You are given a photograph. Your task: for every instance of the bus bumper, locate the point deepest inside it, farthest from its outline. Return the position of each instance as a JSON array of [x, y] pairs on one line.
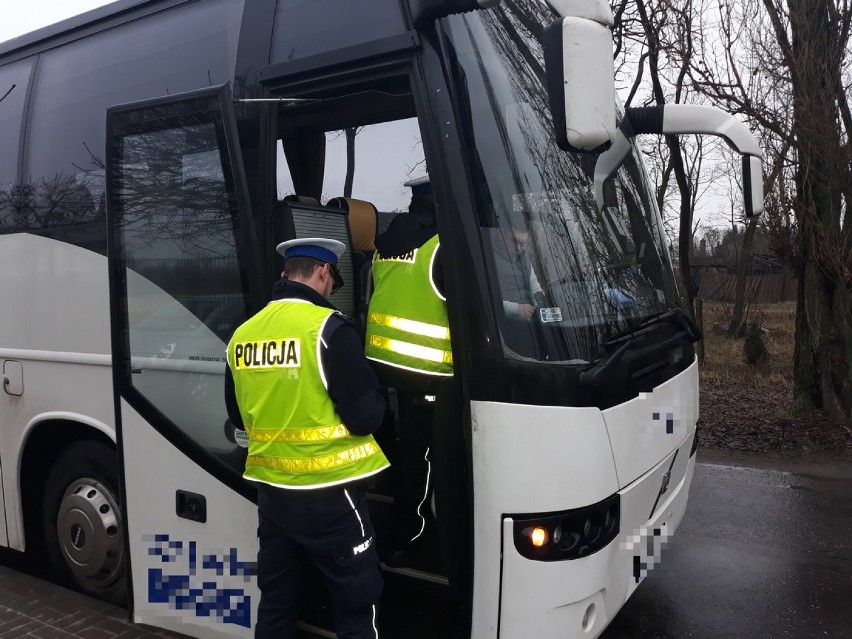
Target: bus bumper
[[579, 598]]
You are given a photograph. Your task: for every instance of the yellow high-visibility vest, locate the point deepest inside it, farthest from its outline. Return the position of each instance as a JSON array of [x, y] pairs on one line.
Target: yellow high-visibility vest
[[407, 323], [296, 439]]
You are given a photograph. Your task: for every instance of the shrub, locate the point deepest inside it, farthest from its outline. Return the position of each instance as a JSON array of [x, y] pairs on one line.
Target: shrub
[[754, 347]]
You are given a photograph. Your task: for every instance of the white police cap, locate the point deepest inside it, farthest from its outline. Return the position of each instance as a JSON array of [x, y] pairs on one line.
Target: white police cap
[[420, 186], [319, 248]]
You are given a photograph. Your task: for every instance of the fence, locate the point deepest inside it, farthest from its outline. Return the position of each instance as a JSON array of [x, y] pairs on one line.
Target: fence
[[760, 289]]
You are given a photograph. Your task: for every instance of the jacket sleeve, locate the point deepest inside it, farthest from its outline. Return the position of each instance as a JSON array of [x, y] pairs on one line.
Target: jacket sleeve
[[352, 384], [231, 400]]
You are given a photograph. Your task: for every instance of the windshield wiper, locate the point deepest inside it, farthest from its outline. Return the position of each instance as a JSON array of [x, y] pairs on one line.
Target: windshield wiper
[[605, 369], [648, 324]]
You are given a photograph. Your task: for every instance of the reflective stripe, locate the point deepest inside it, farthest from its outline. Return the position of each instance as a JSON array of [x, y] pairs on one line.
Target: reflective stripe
[[357, 514], [410, 326], [425, 496], [314, 464], [411, 350], [298, 434]]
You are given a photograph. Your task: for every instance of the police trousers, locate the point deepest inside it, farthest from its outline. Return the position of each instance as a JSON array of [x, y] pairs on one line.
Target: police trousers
[[411, 508], [333, 527]]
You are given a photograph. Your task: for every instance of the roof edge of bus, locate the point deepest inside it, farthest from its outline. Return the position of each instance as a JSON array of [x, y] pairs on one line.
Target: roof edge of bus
[[79, 22]]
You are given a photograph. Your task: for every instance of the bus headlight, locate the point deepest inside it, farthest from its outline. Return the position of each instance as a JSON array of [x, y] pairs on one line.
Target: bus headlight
[[539, 536], [570, 534]]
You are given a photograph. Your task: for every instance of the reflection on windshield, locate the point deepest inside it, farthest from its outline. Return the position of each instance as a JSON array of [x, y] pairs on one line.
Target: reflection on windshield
[[566, 272]]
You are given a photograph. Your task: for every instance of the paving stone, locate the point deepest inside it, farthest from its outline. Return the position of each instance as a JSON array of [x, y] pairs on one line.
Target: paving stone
[[48, 632], [31, 608]]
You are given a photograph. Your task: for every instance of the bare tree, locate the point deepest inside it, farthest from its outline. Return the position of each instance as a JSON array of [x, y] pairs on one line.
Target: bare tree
[[784, 64]]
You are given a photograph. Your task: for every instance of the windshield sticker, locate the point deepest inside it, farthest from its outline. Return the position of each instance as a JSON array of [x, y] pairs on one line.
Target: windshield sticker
[[549, 315], [187, 582]]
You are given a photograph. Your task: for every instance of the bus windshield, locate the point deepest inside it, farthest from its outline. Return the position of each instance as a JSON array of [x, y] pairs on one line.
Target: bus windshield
[[567, 269]]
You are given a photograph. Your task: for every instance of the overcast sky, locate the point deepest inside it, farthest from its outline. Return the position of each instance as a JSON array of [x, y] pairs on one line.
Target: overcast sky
[[23, 16]]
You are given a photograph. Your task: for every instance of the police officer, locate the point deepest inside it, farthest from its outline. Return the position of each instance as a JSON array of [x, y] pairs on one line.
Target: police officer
[[299, 385], [409, 339]]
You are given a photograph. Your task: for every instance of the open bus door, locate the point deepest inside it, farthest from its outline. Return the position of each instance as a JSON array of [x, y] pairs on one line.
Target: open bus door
[[182, 277]]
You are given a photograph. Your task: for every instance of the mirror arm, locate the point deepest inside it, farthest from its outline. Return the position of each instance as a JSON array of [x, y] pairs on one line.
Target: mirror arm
[[679, 119]]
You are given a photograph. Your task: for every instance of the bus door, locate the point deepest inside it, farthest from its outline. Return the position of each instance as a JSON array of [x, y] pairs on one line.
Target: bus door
[[182, 250]]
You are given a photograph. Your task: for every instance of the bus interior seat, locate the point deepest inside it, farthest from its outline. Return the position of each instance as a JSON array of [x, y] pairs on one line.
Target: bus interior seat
[[363, 223], [300, 216], [301, 199]]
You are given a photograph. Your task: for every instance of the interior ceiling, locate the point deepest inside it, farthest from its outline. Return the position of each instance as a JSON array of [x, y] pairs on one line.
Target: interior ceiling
[[382, 102]]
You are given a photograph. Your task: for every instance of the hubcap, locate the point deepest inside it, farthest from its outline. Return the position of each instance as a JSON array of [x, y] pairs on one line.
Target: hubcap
[[89, 531]]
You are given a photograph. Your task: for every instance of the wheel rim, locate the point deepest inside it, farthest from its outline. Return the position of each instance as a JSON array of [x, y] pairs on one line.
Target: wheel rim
[[88, 527]]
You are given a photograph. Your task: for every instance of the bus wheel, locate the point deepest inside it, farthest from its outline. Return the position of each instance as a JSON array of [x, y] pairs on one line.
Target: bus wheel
[[83, 522]]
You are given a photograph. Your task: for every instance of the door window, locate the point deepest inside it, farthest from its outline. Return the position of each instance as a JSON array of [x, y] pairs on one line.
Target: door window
[[176, 219]]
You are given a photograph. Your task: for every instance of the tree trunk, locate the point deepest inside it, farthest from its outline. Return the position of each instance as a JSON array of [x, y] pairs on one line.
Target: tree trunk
[[677, 163], [350, 162], [736, 327], [823, 355]]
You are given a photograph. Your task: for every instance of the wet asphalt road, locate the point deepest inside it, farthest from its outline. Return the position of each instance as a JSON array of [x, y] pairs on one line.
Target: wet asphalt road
[[761, 552]]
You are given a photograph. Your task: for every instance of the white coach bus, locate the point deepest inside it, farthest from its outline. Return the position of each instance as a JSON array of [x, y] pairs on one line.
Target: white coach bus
[[152, 154]]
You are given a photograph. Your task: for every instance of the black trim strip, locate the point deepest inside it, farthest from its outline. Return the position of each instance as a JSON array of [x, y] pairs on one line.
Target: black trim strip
[[23, 145], [645, 119], [665, 487], [747, 177], [395, 45]]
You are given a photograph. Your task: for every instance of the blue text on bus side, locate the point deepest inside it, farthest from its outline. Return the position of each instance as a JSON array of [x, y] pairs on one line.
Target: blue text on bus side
[[188, 590]]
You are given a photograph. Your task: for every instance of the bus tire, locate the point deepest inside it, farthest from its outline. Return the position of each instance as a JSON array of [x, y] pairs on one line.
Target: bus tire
[[82, 519]]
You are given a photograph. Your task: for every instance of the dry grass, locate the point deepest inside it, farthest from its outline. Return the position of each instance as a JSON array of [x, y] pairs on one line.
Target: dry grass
[[724, 355], [745, 407]]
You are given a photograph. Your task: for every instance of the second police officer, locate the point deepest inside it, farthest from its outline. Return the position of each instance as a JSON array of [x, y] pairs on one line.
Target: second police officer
[[409, 340]]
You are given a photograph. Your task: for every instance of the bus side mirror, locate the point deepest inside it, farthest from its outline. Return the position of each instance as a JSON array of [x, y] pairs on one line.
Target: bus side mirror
[[581, 75], [425, 12], [752, 185]]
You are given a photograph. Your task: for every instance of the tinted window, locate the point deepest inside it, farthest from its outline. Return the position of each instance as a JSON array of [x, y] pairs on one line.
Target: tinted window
[[168, 53], [14, 79], [305, 28]]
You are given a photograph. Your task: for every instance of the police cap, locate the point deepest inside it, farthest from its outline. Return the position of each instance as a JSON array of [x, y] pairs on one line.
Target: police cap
[[420, 185], [317, 247]]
